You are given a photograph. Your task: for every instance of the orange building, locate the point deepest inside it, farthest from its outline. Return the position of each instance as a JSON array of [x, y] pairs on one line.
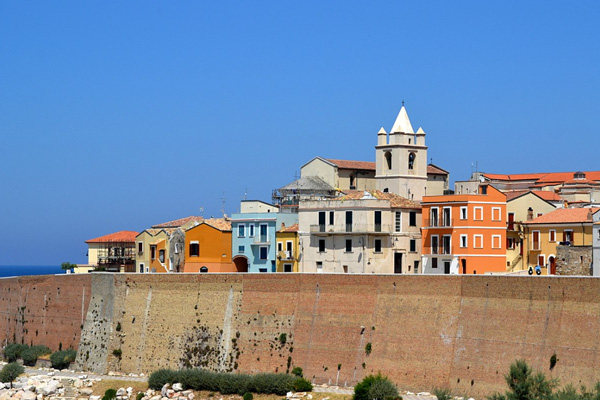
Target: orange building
[[208, 247], [464, 233]]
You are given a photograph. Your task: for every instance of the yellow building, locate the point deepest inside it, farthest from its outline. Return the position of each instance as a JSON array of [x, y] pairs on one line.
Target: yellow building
[[542, 235], [287, 248], [522, 206]]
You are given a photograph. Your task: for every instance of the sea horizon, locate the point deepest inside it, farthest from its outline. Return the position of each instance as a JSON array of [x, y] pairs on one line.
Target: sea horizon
[[7, 271]]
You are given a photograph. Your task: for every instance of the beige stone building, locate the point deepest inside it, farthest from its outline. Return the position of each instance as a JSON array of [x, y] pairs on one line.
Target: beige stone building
[[360, 232], [113, 252], [342, 174]]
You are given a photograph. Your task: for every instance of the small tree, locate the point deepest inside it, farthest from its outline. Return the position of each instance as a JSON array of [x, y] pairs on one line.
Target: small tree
[[524, 384], [67, 265], [10, 372]]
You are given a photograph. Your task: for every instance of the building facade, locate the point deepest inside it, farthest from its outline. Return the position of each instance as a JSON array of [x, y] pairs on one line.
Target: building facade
[[208, 247], [114, 252], [465, 234], [360, 232], [287, 248]]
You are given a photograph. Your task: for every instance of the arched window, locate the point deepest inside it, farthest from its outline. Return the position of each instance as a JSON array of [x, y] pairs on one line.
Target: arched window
[[204, 269], [411, 160], [388, 159]]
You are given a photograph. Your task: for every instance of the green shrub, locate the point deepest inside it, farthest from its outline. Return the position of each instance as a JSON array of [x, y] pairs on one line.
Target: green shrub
[[13, 351], [383, 387], [158, 378], [524, 384], [31, 354], [110, 394], [283, 338], [297, 371], [62, 358], [442, 394], [139, 396], [248, 396], [272, 383], [10, 372], [302, 385], [368, 348], [117, 353]]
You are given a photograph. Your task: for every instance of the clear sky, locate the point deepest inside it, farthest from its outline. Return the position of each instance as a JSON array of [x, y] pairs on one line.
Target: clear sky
[[120, 115]]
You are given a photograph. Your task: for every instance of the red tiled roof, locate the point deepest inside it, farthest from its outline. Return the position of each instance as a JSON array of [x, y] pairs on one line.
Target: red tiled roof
[[221, 224], [514, 194], [178, 222], [291, 228], [433, 169], [347, 164], [515, 177], [544, 178], [121, 237], [565, 216], [548, 195]]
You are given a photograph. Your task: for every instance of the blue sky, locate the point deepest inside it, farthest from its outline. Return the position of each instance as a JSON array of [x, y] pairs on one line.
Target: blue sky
[[120, 115]]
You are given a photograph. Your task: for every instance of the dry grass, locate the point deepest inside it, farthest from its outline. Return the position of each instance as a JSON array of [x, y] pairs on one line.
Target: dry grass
[[100, 387]]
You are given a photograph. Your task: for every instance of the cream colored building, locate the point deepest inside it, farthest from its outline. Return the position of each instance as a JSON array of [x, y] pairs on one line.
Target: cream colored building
[[342, 174], [113, 252], [360, 232], [401, 159]]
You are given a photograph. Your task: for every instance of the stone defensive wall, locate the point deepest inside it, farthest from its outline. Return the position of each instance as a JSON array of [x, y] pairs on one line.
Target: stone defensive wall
[[460, 332]]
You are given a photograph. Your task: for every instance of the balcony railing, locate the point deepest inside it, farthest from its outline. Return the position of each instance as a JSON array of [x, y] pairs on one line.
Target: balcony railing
[[352, 228], [285, 255], [442, 222], [438, 250]]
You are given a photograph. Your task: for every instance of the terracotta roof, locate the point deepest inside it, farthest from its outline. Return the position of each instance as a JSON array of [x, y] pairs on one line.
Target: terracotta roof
[[347, 164], [291, 228], [178, 222], [585, 182], [221, 224], [433, 169], [565, 216], [396, 201], [544, 178], [547, 195], [121, 236]]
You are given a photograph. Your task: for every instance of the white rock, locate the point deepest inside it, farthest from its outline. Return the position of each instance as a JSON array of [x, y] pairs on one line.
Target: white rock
[[178, 387], [289, 394], [121, 392], [129, 391], [28, 396], [423, 394], [40, 397], [309, 396], [470, 398], [156, 397], [170, 393], [49, 388], [51, 373], [86, 392], [95, 397], [191, 396], [82, 376], [163, 391], [17, 385]]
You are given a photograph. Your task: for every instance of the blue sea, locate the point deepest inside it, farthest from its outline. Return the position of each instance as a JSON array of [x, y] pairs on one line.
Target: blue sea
[[20, 270]]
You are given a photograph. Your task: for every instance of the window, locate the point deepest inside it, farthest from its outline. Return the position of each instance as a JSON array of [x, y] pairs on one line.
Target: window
[[161, 255], [321, 221], [464, 243], [433, 216], [141, 268], [176, 248], [287, 267], [411, 160], [345, 268], [152, 252], [262, 270], [263, 252], [388, 159], [568, 236], [348, 245], [289, 245], [535, 240], [511, 221], [496, 241], [434, 262], [478, 241], [446, 244], [478, 214], [510, 243], [194, 249], [140, 247], [204, 269], [496, 214], [241, 230], [279, 246], [434, 244], [412, 218], [541, 260], [264, 233], [321, 245], [413, 246], [377, 245], [552, 235], [241, 249], [377, 221], [463, 213], [446, 217], [348, 221], [319, 266], [398, 227], [331, 220], [251, 230], [416, 267], [539, 214]]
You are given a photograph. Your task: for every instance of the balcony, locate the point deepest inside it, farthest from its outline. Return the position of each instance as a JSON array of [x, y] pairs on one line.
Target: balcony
[[351, 229], [443, 223], [261, 240], [285, 255], [439, 250]]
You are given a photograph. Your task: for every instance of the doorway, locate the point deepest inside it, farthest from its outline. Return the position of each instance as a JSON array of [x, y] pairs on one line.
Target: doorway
[[446, 267], [464, 266], [552, 262], [397, 263]]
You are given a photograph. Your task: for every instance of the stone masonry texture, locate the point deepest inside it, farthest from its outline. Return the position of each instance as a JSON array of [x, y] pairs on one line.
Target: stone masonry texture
[[460, 332]]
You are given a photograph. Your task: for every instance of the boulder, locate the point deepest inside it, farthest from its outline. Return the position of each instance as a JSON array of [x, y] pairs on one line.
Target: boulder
[[191, 396], [164, 389], [121, 392], [28, 396], [78, 383], [86, 392], [95, 397], [156, 397], [178, 387], [49, 388], [170, 393]]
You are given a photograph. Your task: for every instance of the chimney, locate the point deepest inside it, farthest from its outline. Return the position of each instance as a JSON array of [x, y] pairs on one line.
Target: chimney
[[283, 225], [529, 214]]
